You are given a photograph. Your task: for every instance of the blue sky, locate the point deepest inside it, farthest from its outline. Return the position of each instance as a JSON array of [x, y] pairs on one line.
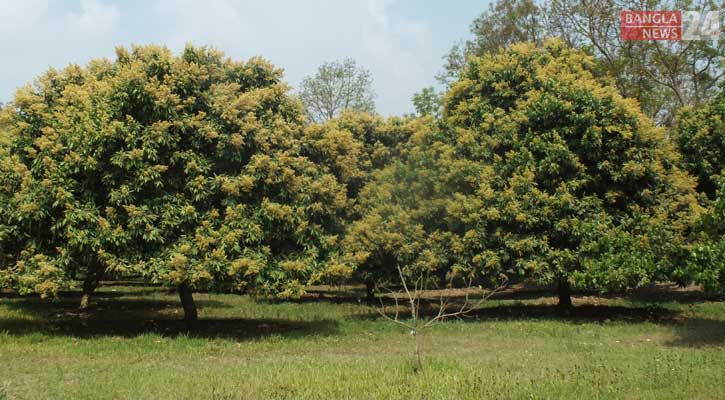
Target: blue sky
[[401, 42]]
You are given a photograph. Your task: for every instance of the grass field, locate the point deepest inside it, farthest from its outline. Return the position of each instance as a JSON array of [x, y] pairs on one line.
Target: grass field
[[131, 345]]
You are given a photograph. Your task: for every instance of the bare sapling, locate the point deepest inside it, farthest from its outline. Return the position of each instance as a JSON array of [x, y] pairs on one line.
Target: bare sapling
[[417, 323]]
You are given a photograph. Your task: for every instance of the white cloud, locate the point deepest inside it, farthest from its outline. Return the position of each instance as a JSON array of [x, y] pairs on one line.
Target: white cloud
[[295, 35], [93, 18], [400, 54], [16, 14]]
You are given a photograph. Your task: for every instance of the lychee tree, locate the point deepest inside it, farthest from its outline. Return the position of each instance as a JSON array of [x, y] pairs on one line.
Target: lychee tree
[[186, 170], [356, 146], [574, 185], [404, 220]]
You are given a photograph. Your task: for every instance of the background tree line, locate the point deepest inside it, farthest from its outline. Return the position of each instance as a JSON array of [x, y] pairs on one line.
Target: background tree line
[[662, 76]]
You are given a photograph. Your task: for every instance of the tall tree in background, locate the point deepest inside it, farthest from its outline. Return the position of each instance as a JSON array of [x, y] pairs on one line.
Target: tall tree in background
[[337, 86], [428, 102], [662, 75], [504, 23]]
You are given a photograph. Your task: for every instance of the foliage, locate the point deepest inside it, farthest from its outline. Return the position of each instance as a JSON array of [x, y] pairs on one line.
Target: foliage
[[571, 180], [355, 144], [184, 169], [700, 137], [503, 24], [337, 86], [706, 264]]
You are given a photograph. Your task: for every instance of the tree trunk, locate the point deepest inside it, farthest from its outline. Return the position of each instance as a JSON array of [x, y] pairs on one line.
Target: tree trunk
[[90, 283], [564, 289], [370, 291], [187, 301]]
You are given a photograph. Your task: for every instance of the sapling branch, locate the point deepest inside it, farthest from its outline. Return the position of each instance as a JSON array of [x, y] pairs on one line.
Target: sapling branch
[[414, 298]]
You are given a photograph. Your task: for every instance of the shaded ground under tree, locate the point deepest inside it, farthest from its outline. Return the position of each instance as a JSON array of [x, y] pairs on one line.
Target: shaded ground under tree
[[132, 310]]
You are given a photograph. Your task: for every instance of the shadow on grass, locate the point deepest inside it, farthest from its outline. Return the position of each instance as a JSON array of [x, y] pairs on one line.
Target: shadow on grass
[[581, 313], [688, 331], [233, 329], [133, 316], [357, 295], [67, 306], [654, 293], [671, 292], [316, 297]]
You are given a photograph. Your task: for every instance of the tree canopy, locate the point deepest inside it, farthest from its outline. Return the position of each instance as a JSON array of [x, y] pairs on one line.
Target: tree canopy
[[186, 170], [356, 145], [428, 102]]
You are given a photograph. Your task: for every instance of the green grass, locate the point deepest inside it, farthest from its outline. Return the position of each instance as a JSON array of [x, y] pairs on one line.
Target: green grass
[[132, 346]]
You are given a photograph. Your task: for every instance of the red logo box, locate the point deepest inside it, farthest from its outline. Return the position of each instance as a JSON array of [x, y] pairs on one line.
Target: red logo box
[[650, 25]]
